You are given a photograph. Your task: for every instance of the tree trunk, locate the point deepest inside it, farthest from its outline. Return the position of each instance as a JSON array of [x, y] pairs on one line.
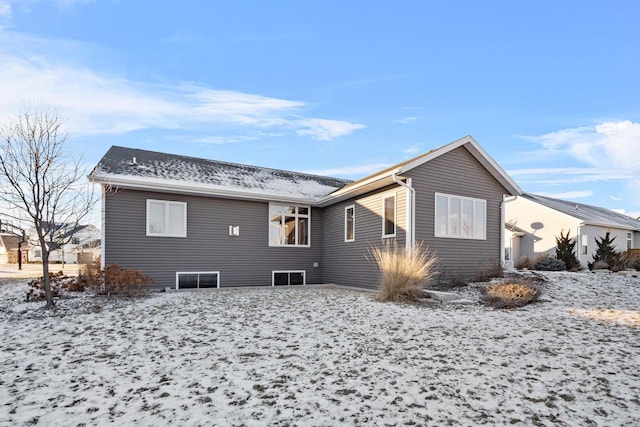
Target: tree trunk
[[45, 276]]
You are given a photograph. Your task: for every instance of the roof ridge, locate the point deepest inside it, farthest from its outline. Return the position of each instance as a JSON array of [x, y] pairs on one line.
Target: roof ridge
[[224, 162]]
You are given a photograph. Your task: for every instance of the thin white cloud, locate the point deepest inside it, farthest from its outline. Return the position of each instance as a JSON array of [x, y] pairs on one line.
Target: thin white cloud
[[610, 149], [359, 170], [632, 214], [612, 144], [97, 103], [5, 9], [412, 150], [405, 120], [555, 176], [325, 130], [577, 194]]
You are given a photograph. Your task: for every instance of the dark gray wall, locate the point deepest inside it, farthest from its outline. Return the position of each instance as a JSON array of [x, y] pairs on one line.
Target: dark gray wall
[[346, 263], [245, 260], [458, 173]]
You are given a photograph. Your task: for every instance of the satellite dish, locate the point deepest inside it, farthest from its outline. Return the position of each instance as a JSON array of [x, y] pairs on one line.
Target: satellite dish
[[537, 225]]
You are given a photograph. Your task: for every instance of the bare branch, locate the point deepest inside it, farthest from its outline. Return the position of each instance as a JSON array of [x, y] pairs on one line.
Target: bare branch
[[38, 178]]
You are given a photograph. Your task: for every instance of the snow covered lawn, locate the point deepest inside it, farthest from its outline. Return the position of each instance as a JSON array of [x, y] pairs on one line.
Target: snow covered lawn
[[324, 357]]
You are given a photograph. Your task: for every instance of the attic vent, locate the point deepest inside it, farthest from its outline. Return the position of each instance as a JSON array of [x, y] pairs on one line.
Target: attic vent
[[133, 162]]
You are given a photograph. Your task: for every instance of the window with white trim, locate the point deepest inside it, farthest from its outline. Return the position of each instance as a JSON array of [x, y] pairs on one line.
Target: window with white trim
[[197, 280], [585, 244], [629, 240], [289, 225], [389, 216], [350, 223], [288, 278], [166, 218], [460, 217]]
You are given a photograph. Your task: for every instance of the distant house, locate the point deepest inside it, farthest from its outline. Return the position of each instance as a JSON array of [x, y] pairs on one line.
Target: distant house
[[9, 249], [73, 244], [533, 222], [191, 222]]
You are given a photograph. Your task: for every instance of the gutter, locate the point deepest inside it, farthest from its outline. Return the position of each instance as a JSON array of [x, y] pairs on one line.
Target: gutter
[[411, 212]]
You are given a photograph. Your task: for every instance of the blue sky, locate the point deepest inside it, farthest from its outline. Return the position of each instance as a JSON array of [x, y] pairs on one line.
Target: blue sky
[[344, 88]]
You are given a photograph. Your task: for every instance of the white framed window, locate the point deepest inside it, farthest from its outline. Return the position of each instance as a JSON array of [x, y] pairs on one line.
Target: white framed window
[[389, 216], [75, 240], [460, 217], [585, 244], [166, 218], [629, 240], [289, 225], [197, 279], [350, 223], [288, 277]]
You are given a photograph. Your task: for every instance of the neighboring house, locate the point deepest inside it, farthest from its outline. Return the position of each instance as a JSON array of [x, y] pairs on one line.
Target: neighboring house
[[9, 249], [73, 244], [191, 222], [12, 242], [533, 222]]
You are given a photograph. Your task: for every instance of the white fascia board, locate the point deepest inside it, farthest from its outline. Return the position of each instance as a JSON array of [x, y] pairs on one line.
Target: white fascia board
[[602, 224], [368, 184], [198, 189], [478, 152]]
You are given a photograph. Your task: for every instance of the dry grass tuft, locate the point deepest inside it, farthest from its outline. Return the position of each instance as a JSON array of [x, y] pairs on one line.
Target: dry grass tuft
[[403, 275], [511, 294]]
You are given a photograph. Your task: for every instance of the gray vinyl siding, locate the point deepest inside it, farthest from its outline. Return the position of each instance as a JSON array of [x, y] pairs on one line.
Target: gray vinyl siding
[[346, 263], [458, 173], [244, 260]]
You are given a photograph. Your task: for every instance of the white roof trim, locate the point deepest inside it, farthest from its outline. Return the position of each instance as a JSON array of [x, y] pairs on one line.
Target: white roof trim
[[478, 152], [370, 183], [175, 186]]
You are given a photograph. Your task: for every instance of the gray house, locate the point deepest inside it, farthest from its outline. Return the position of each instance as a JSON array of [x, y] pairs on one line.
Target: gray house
[[191, 222]]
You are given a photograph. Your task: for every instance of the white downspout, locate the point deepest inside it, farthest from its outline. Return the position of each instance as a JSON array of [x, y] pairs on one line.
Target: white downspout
[[503, 243], [503, 207], [103, 221], [411, 213]]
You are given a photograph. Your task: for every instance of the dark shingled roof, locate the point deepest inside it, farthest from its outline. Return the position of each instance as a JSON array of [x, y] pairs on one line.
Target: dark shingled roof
[[118, 161], [587, 213]]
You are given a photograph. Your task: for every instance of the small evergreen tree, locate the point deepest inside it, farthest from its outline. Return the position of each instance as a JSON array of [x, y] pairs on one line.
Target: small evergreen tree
[[605, 252], [565, 247]]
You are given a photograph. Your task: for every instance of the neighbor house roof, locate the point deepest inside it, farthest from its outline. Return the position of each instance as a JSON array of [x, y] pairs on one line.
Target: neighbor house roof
[[134, 168], [149, 170], [591, 215]]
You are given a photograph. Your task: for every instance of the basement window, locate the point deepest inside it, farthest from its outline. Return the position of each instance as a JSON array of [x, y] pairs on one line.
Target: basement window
[[288, 278], [197, 280]]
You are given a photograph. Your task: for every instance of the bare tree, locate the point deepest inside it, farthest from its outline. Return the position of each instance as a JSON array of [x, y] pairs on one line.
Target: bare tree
[[42, 181]]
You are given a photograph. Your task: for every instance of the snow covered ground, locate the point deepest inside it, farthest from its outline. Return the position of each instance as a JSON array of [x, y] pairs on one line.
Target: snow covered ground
[[303, 356]]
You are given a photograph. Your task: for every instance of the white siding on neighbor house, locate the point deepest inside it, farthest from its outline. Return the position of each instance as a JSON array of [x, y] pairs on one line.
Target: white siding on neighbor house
[[540, 224], [592, 232]]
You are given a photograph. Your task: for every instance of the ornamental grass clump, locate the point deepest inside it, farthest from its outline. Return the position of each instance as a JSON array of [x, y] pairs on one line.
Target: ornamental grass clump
[[402, 274], [511, 294]]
